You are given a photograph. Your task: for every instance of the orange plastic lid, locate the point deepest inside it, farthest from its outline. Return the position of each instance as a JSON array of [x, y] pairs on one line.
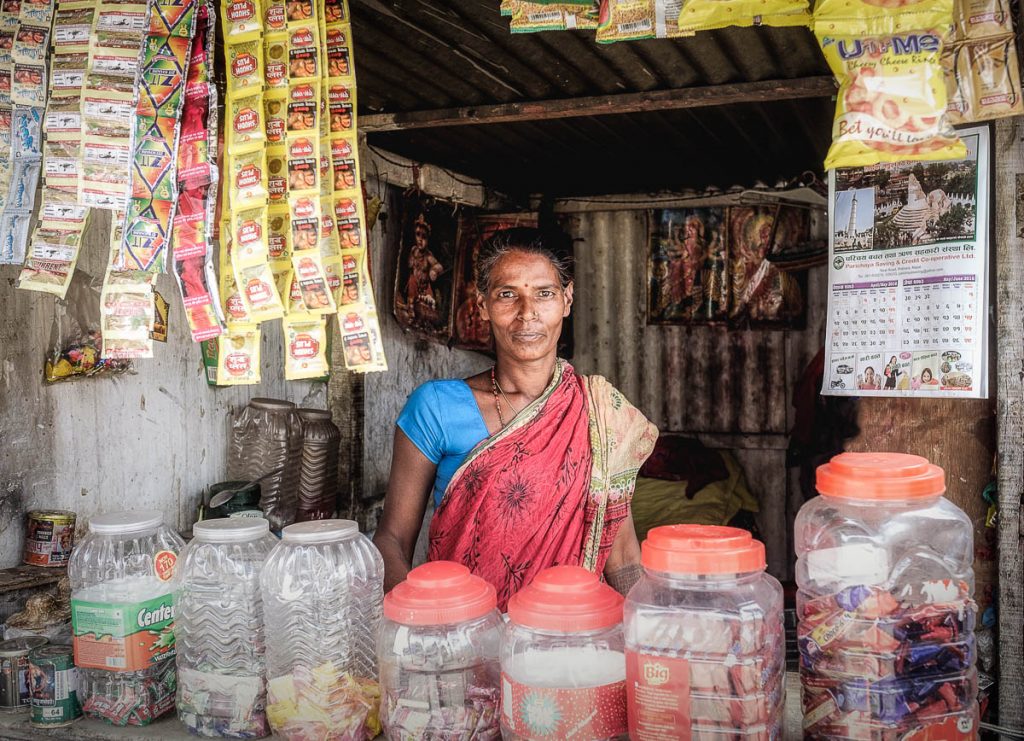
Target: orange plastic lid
[[568, 599], [880, 477], [439, 593], [701, 549]]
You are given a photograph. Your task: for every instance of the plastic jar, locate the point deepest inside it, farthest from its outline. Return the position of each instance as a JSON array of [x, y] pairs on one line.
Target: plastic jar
[[705, 649], [122, 616], [322, 590], [219, 629], [886, 631], [563, 671], [438, 656]]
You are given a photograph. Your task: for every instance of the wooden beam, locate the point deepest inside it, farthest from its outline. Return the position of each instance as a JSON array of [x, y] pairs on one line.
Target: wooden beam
[[1009, 253], [603, 105]]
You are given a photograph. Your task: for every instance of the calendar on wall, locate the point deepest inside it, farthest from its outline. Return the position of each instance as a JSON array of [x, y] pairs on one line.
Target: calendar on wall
[[908, 277]]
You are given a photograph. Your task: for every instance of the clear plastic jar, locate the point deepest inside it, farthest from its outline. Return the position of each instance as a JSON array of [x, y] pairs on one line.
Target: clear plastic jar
[[705, 649], [122, 615], [563, 671], [322, 588], [886, 631], [219, 629], [438, 655]]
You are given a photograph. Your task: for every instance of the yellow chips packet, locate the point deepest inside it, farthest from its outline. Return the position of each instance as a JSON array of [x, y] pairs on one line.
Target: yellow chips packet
[[705, 15]]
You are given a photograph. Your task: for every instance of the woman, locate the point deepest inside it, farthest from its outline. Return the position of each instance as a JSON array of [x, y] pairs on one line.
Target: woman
[[530, 464], [870, 381]]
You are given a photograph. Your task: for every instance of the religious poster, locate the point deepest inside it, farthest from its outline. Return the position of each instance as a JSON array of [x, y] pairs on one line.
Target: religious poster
[[908, 277], [687, 278], [470, 330], [424, 281], [761, 293]]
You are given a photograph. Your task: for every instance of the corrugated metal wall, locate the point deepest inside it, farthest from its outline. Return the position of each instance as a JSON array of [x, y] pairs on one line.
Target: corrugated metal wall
[[731, 388]]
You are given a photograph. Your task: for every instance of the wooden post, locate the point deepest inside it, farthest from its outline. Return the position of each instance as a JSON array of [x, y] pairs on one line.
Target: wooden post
[[1009, 255]]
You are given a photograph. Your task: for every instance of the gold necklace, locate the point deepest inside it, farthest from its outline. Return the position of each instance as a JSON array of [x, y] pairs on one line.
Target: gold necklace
[[497, 404]]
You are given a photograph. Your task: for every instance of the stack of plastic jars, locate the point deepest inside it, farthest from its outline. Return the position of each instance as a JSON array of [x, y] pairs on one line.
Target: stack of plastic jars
[[563, 671], [704, 640], [439, 668], [322, 590], [885, 581], [219, 629], [122, 614]]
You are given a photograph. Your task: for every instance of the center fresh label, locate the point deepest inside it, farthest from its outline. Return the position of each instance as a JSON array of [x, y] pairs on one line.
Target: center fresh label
[[123, 636]]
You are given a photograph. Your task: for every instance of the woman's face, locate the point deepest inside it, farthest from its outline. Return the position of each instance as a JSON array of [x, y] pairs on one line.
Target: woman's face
[[525, 304], [926, 375], [869, 375]]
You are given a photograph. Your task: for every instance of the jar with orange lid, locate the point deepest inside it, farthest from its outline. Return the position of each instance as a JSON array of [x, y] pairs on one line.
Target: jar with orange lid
[[563, 671], [438, 656], [705, 652], [886, 616]]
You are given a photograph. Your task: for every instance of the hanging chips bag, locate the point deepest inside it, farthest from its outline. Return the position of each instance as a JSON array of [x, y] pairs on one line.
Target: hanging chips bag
[[705, 15], [892, 97], [305, 346]]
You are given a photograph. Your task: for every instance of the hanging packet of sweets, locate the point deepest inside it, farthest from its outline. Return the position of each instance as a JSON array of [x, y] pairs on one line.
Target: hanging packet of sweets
[[706, 15], [279, 241], [892, 98], [305, 347], [275, 55], [360, 339], [240, 19], [233, 358], [303, 54], [258, 289], [30, 44], [277, 176], [314, 290]]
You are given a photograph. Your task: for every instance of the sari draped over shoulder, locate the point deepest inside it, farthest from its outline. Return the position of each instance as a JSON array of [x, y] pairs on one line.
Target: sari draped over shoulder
[[552, 488]]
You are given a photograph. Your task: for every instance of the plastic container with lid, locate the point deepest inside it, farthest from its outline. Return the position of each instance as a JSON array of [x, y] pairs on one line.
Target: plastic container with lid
[[563, 671], [219, 629], [438, 656], [705, 649], [886, 631], [322, 588], [122, 616]]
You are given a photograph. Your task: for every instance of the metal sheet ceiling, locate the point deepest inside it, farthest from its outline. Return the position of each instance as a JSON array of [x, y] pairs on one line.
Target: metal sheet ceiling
[[427, 54]]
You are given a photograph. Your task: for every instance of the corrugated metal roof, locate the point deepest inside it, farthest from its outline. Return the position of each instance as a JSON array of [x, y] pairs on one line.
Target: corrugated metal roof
[[415, 55]]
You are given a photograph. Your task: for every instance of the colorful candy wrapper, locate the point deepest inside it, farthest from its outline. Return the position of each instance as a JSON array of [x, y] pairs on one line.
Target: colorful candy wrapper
[[29, 85], [172, 19], [303, 108], [305, 345], [10, 14], [153, 161], [162, 82], [360, 338], [279, 236], [277, 175], [121, 17], [7, 47], [335, 11], [6, 84], [303, 165], [306, 220], [249, 235], [341, 108], [14, 228], [52, 257], [71, 30], [299, 11]]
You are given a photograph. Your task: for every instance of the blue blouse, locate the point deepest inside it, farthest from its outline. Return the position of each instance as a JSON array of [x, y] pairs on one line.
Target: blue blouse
[[443, 420]]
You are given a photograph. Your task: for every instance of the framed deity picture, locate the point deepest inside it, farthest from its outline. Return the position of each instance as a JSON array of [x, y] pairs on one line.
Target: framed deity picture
[[425, 273]]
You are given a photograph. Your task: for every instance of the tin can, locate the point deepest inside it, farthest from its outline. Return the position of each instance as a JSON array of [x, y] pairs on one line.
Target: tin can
[[50, 537], [14, 694], [53, 686]]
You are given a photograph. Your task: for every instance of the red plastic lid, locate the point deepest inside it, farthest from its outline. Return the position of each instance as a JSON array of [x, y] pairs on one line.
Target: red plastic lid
[[568, 599], [880, 477], [701, 549], [439, 593]]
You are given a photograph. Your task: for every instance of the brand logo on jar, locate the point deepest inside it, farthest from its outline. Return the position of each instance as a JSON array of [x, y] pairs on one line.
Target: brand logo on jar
[[304, 346], [303, 92], [249, 232], [241, 11], [247, 120], [655, 674], [341, 149], [339, 94], [237, 363], [302, 148], [248, 176], [352, 322], [275, 73], [148, 618], [275, 16], [302, 37], [275, 129], [244, 64], [163, 565], [344, 208]]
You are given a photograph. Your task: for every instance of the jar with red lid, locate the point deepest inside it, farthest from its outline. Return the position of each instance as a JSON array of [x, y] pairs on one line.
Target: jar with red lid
[[563, 670], [885, 608], [438, 656], [705, 651]]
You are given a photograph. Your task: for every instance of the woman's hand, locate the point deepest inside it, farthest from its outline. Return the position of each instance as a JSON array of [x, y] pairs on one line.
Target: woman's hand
[[622, 570], [410, 485]]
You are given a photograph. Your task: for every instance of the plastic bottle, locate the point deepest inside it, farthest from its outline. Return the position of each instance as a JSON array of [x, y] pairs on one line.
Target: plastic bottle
[[439, 667], [322, 587], [219, 629], [705, 650], [122, 614], [318, 476], [563, 671], [886, 631]]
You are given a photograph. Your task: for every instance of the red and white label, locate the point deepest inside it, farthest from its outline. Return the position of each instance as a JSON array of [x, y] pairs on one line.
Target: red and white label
[[249, 232], [258, 292], [275, 17], [304, 346], [275, 73], [658, 697], [276, 186], [248, 177], [247, 120], [302, 37], [335, 36], [307, 270], [275, 129], [163, 565], [341, 149], [339, 94], [244, 64], [348, 264], [549, 714], [237, 363], [304, 208], [275, 245], [301, 148], [235, 306], [344, 208], [241, 10], [352, 322], [302, 93]]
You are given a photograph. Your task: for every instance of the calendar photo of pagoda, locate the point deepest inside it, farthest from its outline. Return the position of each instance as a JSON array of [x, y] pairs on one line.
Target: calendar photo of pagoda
[[912, 203]]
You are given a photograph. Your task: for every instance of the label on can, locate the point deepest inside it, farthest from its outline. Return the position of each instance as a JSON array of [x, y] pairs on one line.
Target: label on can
[[50, 537], [550, 713], [13, 682], [658, 693], [53, 686], [123, 636]]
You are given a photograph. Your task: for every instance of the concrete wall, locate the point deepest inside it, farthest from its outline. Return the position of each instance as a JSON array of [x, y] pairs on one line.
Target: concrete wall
[[152, 439]]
